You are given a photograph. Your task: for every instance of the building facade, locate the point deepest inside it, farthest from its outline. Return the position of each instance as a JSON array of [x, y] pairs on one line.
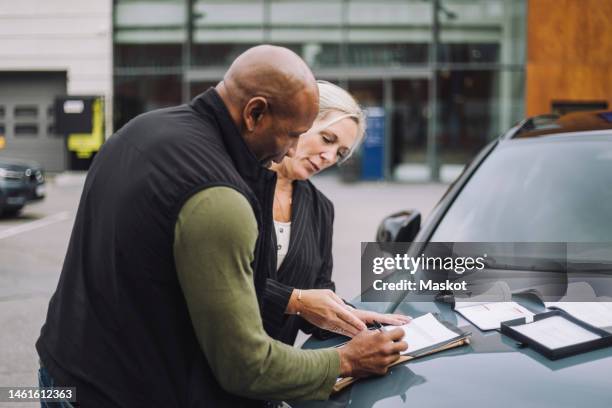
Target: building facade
[[49, 49], [443, 76], [391, 54]]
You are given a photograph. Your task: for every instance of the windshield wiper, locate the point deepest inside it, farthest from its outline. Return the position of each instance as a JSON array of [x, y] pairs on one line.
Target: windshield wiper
[[590, 267]]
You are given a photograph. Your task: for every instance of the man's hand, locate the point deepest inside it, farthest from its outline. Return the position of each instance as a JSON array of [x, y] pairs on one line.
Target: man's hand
[[326, 310], [369, 317], [371, 352]]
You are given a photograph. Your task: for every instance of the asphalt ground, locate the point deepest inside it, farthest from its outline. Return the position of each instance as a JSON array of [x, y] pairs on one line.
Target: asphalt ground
[[33, 246]]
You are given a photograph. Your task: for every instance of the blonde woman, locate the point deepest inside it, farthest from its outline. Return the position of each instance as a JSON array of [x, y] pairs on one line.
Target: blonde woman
[[302, 286]]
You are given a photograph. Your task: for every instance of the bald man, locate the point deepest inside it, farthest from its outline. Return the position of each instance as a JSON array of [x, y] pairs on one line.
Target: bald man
[[274, 85], [156, 303]]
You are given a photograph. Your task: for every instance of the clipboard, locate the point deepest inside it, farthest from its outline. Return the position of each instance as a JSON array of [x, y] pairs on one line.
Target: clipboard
[[603, 338], [462, 339]]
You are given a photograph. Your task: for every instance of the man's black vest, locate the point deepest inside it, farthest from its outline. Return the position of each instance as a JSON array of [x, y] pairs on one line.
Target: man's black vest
[[118, 327]]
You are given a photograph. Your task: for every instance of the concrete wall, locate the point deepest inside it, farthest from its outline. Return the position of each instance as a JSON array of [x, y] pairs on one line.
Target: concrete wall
[[61, 35]]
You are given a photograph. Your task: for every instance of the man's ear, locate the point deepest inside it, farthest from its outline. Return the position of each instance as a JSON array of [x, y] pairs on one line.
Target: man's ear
[[291, 151], [254, 111]]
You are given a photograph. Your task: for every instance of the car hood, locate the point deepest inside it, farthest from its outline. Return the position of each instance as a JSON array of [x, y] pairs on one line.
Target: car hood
[[492, 367]]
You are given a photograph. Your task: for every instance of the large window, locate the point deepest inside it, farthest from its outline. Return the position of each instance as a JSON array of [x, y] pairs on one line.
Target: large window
[[136, 94], [449, 74]]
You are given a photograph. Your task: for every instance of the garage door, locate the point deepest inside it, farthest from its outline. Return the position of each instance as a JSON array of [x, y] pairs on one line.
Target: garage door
[[26, 117]]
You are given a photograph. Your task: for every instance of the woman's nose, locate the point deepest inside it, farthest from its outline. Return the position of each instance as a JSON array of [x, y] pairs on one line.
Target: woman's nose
[[328, 156]]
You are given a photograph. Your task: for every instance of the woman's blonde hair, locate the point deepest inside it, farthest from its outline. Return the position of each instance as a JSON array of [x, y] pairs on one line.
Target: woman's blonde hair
[[332, 98]]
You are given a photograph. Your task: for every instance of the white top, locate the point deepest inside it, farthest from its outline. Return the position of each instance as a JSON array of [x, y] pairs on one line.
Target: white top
[[283, 233]]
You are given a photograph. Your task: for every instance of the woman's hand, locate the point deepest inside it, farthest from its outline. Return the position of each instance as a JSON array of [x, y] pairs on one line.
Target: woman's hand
[[326, 310], [369, 317]]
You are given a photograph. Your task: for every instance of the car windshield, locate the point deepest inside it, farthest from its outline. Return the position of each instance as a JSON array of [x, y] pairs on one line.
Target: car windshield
[[555, 189]]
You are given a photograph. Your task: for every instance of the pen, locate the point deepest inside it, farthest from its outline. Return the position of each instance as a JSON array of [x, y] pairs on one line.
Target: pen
[[378, 326]]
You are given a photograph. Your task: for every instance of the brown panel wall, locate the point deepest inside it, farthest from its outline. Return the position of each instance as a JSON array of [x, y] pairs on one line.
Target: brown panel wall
[[569, 52]]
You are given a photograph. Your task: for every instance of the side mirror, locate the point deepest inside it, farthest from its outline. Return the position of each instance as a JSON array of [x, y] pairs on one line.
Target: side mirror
[[399, 227]]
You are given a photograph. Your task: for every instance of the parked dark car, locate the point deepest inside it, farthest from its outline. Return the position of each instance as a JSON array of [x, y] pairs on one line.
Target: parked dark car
[[548, 179], [20, 182]]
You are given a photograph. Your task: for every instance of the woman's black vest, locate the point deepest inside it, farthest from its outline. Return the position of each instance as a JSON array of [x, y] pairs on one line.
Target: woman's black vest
[[118, 327]]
